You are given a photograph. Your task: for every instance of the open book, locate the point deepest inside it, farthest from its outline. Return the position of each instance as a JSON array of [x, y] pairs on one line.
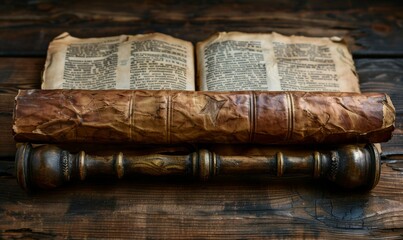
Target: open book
[[234, 72], [225, 62]]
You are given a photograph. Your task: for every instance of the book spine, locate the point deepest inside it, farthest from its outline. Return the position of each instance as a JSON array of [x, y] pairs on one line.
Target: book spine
[[164, 117]]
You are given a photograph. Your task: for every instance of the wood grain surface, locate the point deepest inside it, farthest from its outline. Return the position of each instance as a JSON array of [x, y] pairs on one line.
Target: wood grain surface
[[248, 207]]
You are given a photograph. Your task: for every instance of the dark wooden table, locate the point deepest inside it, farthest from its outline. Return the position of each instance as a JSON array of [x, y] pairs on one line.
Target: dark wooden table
[[231, 208]]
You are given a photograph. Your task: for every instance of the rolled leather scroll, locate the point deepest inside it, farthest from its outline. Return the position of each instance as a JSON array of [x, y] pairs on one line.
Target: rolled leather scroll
[[161, 117]]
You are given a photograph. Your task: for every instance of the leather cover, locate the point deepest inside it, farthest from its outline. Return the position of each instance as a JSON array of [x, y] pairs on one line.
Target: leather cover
[[161, 117]]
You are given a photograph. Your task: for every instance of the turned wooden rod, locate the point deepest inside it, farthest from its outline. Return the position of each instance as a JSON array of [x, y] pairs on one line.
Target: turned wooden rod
[[48, 166]]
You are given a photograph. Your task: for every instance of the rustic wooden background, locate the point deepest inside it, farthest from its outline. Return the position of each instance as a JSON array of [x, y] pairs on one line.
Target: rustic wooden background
[[229, 208]]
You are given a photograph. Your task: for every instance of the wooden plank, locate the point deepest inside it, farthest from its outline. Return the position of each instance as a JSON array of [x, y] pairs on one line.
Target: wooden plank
[[20, 73], [380, 74], [369, 29], [7, 144], [226, 208]]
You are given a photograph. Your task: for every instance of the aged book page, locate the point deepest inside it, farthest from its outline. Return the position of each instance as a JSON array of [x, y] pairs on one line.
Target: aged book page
[[149, 61], [242, 61]]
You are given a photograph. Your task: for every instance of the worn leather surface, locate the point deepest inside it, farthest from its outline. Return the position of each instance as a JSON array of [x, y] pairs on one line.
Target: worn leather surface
[[159, 117]]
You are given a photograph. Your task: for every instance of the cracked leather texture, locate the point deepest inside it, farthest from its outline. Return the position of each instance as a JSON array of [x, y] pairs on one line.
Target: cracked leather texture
[[161, 117]]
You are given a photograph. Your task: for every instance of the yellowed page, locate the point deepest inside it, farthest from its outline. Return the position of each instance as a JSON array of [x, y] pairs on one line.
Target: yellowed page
[[149, 61], [243, 61]]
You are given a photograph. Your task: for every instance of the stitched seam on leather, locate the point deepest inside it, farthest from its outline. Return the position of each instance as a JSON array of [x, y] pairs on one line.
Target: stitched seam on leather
[[252, 117], [169, 119], [131, 118], [290, 116]]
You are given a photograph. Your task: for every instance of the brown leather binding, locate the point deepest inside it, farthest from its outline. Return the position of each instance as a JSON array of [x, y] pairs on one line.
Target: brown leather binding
[[145, 116]]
